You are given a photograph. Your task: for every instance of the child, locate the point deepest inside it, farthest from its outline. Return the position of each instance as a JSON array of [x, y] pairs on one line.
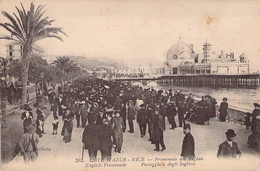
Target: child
[[247, 122], [55, 124]]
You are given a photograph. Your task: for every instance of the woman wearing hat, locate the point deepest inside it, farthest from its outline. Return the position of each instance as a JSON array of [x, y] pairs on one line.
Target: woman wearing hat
[[223, 110], [118, 126], [27, 118], [255, 114], [229, 149], [67, 126]]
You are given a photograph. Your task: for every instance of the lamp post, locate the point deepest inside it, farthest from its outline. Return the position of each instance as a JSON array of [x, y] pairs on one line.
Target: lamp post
[[42, 76]]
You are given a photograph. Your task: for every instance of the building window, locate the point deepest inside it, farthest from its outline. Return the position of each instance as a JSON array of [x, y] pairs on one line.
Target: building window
[[174, 70], [163, 70], [10, 54], [208, 71], [197, 71], [174, 57], [10, 47]]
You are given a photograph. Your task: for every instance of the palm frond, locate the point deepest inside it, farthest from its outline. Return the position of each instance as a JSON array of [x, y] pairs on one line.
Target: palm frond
[[15, 25], [10, 38], [29, 27]]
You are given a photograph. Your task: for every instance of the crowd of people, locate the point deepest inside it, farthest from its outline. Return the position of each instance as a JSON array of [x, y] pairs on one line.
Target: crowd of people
[[104, 109]]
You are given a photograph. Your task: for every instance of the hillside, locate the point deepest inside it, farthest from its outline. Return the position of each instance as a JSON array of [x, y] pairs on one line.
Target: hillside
[[97, 63]]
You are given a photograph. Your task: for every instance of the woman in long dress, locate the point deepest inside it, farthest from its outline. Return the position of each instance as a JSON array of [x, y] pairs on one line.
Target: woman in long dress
[[67, 126], [118, 126], [223, 110], [27, 118]]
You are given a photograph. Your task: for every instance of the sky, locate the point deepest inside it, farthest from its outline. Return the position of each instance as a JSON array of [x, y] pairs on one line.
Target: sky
[[144, 30]]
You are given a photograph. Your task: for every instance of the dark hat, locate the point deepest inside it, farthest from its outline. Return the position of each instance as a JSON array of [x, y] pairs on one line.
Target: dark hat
[[142, 105], [248, 114], [92, 118], [256, 105], [187, 126], [231, 132], [27, 107], [224, 99]]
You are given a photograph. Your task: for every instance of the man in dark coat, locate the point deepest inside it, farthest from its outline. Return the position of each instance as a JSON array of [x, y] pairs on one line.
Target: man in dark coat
[[189, 102], [150, 120], [158, 131], [76, 108], [163, 113], [171, 113], [181, 112], [123, 114], [105, 135], [91, 139], [254, 140], [142, 119], [255, 114], [203, 114], [188, 146], [130, 110], [229, 149]]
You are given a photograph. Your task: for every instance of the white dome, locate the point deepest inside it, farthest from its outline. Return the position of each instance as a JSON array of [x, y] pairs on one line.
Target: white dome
[[180, 53]]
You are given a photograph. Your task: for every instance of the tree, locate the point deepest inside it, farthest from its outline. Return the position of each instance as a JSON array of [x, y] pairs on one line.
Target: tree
[[37, 66], [4, 65], [27, 28], [65, 66], [16, 68]]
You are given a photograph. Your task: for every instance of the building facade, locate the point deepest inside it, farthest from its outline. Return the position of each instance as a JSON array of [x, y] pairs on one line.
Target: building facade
[[14, 50], [182, 60]]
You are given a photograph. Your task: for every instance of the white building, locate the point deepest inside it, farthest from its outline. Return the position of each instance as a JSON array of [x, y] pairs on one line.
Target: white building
[[14, 50], [181, 59]]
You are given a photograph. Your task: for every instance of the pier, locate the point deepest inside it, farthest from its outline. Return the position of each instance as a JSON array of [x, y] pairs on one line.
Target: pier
[[207, 80]]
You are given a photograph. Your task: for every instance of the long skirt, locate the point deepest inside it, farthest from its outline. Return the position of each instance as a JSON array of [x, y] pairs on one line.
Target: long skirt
[[67, 131], [67, 135]]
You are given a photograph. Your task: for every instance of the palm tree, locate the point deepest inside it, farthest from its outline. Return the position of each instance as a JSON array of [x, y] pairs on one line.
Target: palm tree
[[65, 65], [4, 65], [4, 68], [27, 28]]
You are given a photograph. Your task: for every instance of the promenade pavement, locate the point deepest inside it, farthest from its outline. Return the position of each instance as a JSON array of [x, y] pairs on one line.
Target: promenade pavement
[[54, 154]]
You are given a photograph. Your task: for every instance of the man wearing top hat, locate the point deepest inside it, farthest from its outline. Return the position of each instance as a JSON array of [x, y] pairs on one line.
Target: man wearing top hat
[[229, 149]]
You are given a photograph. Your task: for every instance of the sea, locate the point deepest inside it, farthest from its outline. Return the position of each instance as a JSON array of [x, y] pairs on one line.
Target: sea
[[238, 98]]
